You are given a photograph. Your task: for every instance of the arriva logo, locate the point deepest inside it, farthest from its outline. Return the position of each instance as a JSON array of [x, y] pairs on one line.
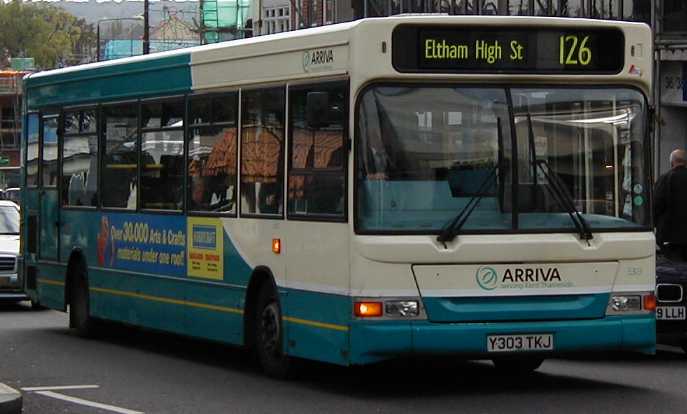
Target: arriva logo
[[306, 61], [318, 59], [487, 278]]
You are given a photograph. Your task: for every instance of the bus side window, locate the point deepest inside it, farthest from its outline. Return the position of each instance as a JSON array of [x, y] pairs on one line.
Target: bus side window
[[262, 151], [213, 150], [120, 163], [162, 155], [317, 150], [80, 159], [49, 151], [32, 150]]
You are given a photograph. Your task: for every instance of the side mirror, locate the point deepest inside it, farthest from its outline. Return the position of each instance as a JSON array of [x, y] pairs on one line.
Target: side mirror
[[317, 109]]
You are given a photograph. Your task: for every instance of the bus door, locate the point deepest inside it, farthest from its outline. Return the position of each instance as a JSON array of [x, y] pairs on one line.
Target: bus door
[[48, 197]]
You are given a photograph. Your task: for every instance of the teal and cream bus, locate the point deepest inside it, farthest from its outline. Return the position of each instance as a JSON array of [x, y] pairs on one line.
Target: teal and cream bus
[[464, 186]]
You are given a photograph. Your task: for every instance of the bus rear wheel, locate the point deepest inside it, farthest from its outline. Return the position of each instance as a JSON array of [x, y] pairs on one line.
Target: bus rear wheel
[[518, 366], [36, 305], [79, 307], [269, 335]]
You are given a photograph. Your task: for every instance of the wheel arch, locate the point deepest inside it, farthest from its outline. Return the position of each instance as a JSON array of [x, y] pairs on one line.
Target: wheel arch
[[261, 275]]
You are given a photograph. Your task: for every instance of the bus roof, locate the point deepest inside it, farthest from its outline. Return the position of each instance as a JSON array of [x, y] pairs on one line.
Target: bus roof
[[127, 78]]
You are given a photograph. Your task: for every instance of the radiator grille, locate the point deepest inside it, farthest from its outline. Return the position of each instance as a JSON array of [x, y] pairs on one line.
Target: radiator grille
[[7, 263]]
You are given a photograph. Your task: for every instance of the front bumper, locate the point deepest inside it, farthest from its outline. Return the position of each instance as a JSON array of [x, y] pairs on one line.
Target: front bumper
[[669, 329], [11, 288], [375, 341], [9, 296]]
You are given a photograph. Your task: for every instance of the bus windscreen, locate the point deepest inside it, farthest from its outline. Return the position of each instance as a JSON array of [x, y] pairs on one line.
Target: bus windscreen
[[450, 49]]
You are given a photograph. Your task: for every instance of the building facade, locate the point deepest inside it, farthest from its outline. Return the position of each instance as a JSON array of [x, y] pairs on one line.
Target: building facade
[[670, 28], [10, 127]]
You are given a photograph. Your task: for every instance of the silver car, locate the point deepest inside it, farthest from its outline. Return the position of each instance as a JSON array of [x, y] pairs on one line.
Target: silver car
[[10, 283]]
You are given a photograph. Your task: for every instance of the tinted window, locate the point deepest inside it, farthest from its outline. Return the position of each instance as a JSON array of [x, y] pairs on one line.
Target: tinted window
[[88, 121], [587, 145], [9, 220], [262, 149], [120, 163], [162, 156], [212, 156], [200, 110], [317, 153], [425, 154], [163, 114], [49, 151], [71, 122], [431, 156], [32, 150], [80, 160], [162, 170]]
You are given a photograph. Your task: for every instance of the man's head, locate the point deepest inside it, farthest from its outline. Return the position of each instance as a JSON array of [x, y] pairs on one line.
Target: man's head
[[678, 158]]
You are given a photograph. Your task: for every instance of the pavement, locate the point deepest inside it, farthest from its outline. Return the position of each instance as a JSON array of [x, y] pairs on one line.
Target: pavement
[[10, 400]]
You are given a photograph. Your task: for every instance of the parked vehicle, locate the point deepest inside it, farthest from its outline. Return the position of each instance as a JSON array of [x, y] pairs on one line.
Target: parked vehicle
[[12, 194], [671, 318], [11, 288]]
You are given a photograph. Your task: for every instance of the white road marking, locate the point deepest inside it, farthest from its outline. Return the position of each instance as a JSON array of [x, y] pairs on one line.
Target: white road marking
[[669, 348], [5, 389], [60, 387], [87, 403]]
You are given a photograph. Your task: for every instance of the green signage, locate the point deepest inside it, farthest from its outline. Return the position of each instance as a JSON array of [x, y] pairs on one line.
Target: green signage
[[22, 64]]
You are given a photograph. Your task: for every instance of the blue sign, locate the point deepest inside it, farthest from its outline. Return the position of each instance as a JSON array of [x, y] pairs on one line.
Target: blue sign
[[143, 243], [204, 237]]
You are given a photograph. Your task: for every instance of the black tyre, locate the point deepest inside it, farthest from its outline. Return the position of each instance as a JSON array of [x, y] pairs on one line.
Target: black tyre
[[79, 306], [36, 305], [269, 335], [518, 366]]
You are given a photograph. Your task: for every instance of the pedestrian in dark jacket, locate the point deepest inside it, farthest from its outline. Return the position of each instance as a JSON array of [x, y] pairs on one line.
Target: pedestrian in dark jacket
[[670, 208]]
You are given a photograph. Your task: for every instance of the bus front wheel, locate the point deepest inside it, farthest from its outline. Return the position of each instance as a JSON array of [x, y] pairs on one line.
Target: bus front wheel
[[269, 335], [518, 366], [79, 307]]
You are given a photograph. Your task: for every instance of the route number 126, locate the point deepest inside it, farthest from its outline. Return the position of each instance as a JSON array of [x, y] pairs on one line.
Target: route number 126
[[574, 51]]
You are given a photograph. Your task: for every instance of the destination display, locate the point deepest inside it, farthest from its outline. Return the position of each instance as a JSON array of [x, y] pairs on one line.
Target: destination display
[[507, 50]]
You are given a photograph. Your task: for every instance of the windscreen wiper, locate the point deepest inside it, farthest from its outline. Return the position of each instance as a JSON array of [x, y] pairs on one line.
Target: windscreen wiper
[[452, 228], [558, 190], [557, 187]]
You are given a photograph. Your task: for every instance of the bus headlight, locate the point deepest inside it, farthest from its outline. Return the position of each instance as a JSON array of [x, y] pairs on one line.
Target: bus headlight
[[391, 308], [402, 308], [636, 302], [626, 303]]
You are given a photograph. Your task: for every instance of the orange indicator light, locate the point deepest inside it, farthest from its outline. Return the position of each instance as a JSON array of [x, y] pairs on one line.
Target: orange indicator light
[[368, 309], [650, 302], [276, 246]]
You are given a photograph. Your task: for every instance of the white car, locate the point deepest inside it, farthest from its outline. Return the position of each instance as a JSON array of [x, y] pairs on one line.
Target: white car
[[11, 289], [12, 194]]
